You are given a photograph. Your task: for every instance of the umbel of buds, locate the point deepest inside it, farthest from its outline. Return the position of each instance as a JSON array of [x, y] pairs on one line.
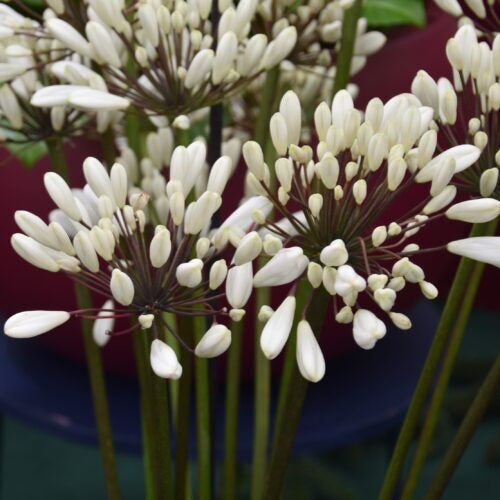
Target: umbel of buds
[[340, 220], [181, 64], [468, 109], [105, 238]]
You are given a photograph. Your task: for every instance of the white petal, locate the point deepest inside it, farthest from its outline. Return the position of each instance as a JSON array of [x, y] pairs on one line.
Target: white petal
[[29, 324], [482, 248], [309, 356]]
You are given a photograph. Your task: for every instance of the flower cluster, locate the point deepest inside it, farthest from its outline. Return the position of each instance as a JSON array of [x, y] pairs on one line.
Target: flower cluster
[[23, 59], [483, 14], [144, 259], [333, 216], [170, 58], [469, 109]]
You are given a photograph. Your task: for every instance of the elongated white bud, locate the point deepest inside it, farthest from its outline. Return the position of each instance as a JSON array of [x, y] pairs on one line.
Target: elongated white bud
[[34, 227], [475, 211], [367, 328], [33, 252], [103, 324], [277, 329], [402, 321], [249, 248], [149, 22], [160, 247], [488, 181], [315, 274], [291, 111], [225, 55], [122, 287], [328, 170], [428, 290], [119, 184], [164, 361], [254, 158], [322, 120], [279, 48], [359, 191], [279, 133], [219, 175], [85, 251], [200, 67], [189, 273], [482, 248], [214, 342], [218, 273], [239, 285], [103, 242], [29, 324], [61, 195], [379, 235], [443, 199], [310, 359], [68, 36], [97, 100], [286, 266], [102, 43]]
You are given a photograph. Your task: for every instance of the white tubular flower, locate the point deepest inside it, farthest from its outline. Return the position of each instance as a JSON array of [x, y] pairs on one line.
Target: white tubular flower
[[475, 211], [104, 324], [286, 266], [367, 329], [29, 324], [310, 359], [277, 329], [164, 361], [482, 248], [214, 342], [239, 285]]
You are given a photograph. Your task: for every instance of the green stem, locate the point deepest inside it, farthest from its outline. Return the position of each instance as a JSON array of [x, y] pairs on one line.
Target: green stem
[[141, 350], [232, 405], [349, 27], [99, 399], [266, 109], [183, 411], [446, 322], [203, 419], [58, 163], [133, 128], [469, 424], [108, 147], [441, 385], [93, 357], [293, 402]]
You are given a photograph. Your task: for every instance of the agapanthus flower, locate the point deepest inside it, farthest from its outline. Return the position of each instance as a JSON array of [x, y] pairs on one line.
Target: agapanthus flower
[[164, 58], [143, 258], [467, 110], [335, 218], [483, 14], [25, 57]]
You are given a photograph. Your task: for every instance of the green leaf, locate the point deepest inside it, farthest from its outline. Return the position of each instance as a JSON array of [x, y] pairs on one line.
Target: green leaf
[[389, 13], [28, 154]]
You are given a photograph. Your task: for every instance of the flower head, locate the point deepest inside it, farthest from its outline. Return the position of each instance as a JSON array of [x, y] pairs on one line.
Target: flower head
[[143, 258]]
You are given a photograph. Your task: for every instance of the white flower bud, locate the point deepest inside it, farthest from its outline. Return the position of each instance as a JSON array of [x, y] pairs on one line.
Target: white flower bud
[[482, 248], [225, 54], [376, 281], [218, 273], [379, 235], [279, 133], [34, 227], [286, 266], [315, 203], [279, 48], [385, 298], [85, 251], [322, 120], [272, 245], [214, 342], [102, 43], [475, 211], [348, 281], [61, 195], [219, 175], [443, 199], [443, 176], [146, 321], [402, 321], [164, 361], [277, 329], [103, 242], [367, 329], [328, 170], [97, 100], [310, 359], [291, 111], [160, 248], [29, 324], [315, 274], [248, 249], [335, 254], [239, 285], [103, 325], [122, 287], [359, 191], [396, 172], [488, 181], [33, 252], [119, 184], [189, 273], [328, 278], [345, 315], [284, 172], [177, 207], [254, 158], [265, 312], [68, 36], [378, 149]]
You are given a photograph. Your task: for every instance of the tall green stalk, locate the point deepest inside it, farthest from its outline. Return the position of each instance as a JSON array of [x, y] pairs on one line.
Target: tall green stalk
[[233, 376], [262, 371], [203, 417], [93, 358], [487, 391], [183, 411], [349, 26], [447, 321], [294, 393], [443, 379]]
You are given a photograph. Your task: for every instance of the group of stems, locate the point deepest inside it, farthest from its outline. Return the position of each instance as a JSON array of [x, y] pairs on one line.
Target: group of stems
[[437, 368]]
